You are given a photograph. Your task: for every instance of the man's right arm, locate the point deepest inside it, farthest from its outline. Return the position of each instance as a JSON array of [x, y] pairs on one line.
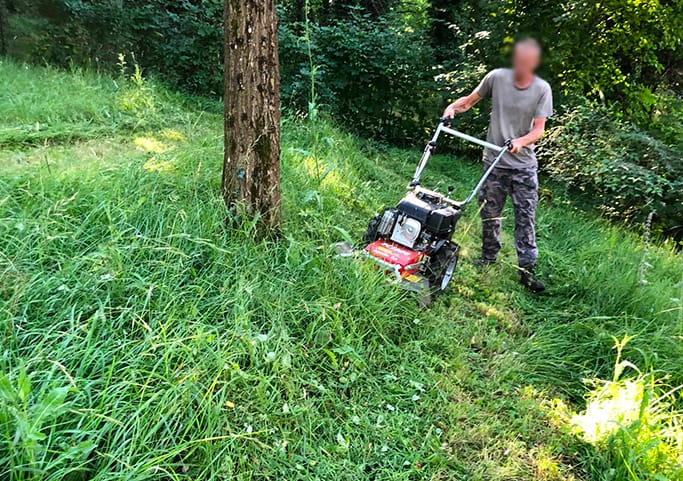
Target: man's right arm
[[462, 105], [484, 89]]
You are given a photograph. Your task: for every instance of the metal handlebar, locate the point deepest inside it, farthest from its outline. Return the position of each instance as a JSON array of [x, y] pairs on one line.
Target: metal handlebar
[[431, 146], [444, 126]]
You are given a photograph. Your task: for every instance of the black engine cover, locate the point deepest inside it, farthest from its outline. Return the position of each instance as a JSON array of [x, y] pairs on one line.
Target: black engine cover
[[416, 208], [435, 218], [442, 221]]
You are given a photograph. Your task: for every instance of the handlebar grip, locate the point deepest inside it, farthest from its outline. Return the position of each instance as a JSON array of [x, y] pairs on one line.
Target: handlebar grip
[[508, 143], [446, 121]]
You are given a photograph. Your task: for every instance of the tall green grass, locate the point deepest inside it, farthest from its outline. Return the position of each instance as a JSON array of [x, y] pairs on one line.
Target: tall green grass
[[144, 341], [45, 105]]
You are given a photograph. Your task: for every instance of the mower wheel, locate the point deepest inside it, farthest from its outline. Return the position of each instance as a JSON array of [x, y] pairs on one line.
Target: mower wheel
[[371, 234], [442, 267]]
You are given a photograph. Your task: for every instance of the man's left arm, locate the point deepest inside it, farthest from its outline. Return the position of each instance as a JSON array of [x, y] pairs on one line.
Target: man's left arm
[[530, 138]]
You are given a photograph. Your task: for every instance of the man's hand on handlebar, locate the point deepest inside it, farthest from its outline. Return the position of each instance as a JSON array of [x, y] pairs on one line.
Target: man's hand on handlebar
[[462, 105], [516, 145]]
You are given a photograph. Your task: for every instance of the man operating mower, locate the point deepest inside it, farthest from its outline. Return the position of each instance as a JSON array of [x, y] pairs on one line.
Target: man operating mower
[[521, 103]]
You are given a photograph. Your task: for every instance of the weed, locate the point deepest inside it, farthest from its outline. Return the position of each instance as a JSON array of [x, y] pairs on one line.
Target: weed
[[633, 419]]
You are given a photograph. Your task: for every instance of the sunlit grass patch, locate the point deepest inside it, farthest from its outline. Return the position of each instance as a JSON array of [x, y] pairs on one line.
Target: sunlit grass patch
[[149, 144], [83, 156], [45, 105], [155, 164], [173, 135], [612, 406], [636, 420]]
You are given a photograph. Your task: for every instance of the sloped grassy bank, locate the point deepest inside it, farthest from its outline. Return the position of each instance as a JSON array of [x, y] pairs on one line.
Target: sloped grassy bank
[[144, 341]]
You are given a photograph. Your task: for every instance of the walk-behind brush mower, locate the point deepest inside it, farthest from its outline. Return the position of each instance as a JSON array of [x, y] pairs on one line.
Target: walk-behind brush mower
[[413, 241]]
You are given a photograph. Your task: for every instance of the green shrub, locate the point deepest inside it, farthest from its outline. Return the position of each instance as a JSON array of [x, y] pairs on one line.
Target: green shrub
[[373, 77], [626, 171], [372, 73], [180, 42]]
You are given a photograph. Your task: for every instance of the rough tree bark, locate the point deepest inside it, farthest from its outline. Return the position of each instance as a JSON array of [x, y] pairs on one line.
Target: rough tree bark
[[251, 167]]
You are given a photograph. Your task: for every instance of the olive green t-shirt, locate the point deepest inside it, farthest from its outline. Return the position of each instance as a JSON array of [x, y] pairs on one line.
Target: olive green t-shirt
[[512, 114]]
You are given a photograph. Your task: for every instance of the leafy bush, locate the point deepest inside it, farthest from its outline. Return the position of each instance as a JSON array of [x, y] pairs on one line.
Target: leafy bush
[[186, 47], [627, 172], [376, 79], [179, 41], [623, 52], [370, 72]]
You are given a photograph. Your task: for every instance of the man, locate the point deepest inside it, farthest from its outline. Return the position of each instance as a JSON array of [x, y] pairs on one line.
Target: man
[[521, 103]]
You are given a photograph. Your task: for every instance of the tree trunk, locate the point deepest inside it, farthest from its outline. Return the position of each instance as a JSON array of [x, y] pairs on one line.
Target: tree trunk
[[251, 167]]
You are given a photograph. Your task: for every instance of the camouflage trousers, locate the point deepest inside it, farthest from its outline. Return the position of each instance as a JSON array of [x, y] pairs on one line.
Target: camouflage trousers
[[522, 187]]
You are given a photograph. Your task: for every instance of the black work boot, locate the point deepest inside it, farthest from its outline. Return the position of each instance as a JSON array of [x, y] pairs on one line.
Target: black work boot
[[528, 279], [483, 263]]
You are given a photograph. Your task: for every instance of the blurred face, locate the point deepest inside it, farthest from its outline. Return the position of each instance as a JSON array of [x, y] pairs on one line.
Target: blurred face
[[526, 59]]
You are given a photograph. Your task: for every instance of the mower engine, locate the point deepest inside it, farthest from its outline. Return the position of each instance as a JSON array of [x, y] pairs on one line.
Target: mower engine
[[413, 240]]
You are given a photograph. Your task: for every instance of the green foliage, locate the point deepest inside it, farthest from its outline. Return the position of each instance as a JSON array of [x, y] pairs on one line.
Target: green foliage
[[179, 41], [621, 52], [625, 171], [375, 78], [634, 420], [630, 47], [327, 11], [383, 67], [34, 444], [174, 349]]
